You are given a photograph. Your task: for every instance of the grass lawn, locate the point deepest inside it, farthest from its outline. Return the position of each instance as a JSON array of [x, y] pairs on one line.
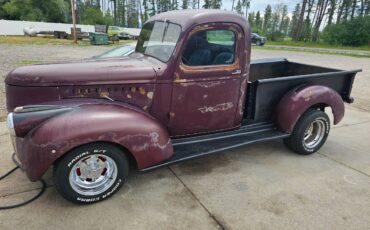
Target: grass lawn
[[315, 45], [336, 52], [48, 40]]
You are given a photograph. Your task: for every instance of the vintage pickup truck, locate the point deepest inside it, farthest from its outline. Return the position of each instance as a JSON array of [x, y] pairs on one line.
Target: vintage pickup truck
[[188, 90]]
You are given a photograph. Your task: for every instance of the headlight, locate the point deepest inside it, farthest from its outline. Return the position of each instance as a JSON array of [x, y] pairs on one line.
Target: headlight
[[10, 123]]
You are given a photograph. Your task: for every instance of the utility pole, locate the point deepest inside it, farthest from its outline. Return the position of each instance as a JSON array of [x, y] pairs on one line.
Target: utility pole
[[74, 21]]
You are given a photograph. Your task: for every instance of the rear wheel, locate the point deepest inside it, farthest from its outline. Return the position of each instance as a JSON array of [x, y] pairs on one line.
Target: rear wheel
[[310, 132], [91, 173]]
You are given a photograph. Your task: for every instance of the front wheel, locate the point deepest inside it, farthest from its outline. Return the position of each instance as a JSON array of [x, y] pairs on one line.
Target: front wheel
[[91, 173], [310, 132]]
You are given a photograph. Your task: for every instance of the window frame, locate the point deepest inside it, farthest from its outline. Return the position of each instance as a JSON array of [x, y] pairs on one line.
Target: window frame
[[211, 65], [174, 49]]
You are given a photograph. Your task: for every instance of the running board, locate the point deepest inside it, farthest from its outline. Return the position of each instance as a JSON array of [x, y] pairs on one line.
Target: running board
[[192, 147]]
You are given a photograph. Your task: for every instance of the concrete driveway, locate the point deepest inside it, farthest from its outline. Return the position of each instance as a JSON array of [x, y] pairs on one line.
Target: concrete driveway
[[262, 186]]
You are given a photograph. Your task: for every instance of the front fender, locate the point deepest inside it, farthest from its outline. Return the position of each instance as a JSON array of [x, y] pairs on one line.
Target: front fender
[[142, 135], [298, 100]]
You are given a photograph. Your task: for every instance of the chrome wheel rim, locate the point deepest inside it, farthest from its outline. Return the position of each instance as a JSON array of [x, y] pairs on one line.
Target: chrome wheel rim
[[314, 133], [93, 174]]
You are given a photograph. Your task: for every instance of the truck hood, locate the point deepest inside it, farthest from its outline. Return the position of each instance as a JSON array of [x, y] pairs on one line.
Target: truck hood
[[85, 72]]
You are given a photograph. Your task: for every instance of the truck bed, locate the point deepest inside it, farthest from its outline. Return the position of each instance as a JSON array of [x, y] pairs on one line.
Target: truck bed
[[271, 79]]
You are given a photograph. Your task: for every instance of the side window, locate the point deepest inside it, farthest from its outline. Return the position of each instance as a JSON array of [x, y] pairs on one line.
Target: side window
[[210, 47]]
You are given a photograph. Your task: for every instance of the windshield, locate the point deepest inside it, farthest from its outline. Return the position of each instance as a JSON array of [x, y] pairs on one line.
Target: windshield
[[158, 39]]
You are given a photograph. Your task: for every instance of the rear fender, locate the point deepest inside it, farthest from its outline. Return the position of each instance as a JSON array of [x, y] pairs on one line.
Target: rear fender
[[300, 99], [142, 135]]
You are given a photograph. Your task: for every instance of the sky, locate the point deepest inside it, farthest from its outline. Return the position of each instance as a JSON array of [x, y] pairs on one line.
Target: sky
[[260, 5], [256, 5]]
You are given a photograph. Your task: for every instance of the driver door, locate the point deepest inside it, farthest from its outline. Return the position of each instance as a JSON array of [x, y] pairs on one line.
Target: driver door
[[206, 87]]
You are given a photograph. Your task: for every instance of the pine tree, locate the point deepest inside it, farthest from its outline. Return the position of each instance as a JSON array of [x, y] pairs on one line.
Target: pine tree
[[216, 4], [194, 4], [146, 13], [207, 4], [299, 28], [121, 13], [294, 21], [284, 15], [132, 14], [185, 4], [251, 19], [238, 8], [152, 11], [174, 5], [258, 21], [267, 19], [246, 5]]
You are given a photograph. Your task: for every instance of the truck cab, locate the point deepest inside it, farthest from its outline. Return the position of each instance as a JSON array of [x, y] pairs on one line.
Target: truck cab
[[188, 90]]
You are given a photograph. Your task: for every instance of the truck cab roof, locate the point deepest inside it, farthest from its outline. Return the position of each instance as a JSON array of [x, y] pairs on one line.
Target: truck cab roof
[[189, 18]]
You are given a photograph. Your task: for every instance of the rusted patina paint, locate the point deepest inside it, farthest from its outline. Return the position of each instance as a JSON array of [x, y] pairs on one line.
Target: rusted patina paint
[[241, 101], [143, 136], [218, 107], [204, 84], [296, 102], [83, 73], [193, 85], [131, 94]]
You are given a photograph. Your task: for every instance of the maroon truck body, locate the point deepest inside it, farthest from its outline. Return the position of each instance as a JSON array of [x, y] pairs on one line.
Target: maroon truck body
[[148, 107]]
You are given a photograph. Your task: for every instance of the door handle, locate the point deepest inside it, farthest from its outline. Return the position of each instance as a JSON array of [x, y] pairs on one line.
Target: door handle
[[238, 71]]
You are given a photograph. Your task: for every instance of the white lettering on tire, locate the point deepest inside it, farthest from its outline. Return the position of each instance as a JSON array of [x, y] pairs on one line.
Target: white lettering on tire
[[97, 198]]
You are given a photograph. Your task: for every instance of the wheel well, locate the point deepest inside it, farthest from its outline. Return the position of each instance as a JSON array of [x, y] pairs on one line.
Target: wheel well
[[131, 159], [320, 106]]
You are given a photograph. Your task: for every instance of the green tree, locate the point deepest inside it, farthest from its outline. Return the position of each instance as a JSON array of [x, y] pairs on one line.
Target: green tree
[[258, 22], [216, 4], [251, 19], [207, 4], [3, 14], [267, 19], [295, 18], [152, 8], [132, 14], [185, 4], [55, 10], [92, 16], [246, 5], [239, 8], [36, 10], [194, 4], [174, 5], [354, 32], [146, 12], [212, 4], [274, 32]]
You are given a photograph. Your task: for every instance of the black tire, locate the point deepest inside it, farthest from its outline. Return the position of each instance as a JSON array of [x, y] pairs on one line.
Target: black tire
[[258, 43], [68, 172], [311, 120]]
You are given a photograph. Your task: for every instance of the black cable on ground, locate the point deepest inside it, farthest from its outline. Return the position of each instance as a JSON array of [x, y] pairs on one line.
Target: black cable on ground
[[27, 201]]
